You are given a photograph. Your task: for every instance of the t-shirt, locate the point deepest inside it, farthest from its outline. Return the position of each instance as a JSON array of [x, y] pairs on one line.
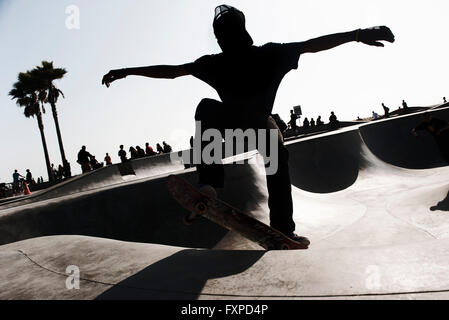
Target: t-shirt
[[83, 156], [122, 154], [15, 176], [149, 150], [167, 148], [247, 81]]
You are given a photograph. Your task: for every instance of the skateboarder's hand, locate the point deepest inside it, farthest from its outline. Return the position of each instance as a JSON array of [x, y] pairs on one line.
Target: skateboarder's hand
[[112, 76], [372, 36]]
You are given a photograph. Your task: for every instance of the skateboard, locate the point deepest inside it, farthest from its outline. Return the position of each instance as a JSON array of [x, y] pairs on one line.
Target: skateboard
[[229, 217]]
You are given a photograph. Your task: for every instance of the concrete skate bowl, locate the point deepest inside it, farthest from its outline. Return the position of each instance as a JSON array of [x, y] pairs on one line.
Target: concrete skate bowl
[[141, 211], [104, 177], [326, 163], [391, 141], [373, 222], [331, 162]]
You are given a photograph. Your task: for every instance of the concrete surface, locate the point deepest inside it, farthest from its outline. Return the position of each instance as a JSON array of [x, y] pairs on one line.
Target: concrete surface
[[372, 199]]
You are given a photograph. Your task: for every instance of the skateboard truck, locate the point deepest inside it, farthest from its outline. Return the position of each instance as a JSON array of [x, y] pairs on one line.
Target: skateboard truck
[[200, 207]]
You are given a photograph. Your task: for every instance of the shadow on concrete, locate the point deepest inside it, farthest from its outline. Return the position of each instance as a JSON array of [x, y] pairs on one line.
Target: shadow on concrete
[[182, 275]]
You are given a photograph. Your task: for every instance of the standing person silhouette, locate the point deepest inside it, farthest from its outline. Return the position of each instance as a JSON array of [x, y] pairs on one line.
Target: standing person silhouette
[[293, 118], [122, 154], [386, 110], [246, 78]]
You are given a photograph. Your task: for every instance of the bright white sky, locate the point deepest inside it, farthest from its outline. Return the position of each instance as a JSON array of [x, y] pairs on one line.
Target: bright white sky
[[351, 80]]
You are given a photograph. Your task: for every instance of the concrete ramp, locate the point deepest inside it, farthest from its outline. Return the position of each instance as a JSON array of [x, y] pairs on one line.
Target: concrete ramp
[[108, 176], [377, 220]]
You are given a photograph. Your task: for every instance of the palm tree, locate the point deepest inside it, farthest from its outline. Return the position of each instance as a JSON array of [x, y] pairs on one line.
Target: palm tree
[[25, 91], [48, 92]]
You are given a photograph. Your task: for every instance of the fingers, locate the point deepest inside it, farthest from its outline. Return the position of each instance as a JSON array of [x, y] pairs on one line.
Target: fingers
[[373, 35], [107, 79], [387, 34], [374, 43]]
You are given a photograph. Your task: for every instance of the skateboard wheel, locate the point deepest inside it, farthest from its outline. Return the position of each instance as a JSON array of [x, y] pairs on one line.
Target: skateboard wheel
[[201, 207], [188, 219]]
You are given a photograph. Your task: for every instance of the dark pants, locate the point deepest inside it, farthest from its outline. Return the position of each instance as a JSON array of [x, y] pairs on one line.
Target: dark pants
[[215, 114]]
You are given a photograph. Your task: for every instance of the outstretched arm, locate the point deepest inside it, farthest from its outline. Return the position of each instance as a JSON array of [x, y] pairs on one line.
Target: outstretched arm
[[161, 71], [371, 36]]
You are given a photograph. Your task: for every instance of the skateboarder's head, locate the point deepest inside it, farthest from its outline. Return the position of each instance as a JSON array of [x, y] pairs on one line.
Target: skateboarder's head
[[229, 29]]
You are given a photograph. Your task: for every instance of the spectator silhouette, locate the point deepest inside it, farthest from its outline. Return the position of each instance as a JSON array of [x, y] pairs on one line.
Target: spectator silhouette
[[167, 147], [108, 159], [60, 172], [375, 115], [54, 172], [84, 160], [133, 153], [140, 152], [293, 118], [312, 122], [29, 177], [149, 150], [444, 100], [404, 105], [319, 122], [306, 123], [95, 164], [159, 149], [386, 110], [16, 178], [122, 154], [67, 170], [333, 122]]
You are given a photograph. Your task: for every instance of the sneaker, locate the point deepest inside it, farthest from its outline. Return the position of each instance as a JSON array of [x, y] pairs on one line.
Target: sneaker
[[299, 239]]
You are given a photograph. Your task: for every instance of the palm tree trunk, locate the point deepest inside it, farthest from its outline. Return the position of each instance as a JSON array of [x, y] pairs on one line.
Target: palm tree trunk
[[58, 133], [44, 144]]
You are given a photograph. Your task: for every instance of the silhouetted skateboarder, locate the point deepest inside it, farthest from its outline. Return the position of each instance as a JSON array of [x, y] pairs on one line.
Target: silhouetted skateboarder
[[439, 129], [246, 78]]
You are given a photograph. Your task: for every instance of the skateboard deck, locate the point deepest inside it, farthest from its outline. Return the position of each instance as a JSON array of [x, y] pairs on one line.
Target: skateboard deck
[[229, 217]]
